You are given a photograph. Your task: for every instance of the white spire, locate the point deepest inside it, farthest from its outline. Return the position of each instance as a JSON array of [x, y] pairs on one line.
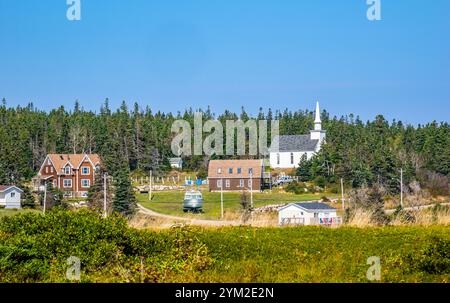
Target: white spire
[[317, 120]]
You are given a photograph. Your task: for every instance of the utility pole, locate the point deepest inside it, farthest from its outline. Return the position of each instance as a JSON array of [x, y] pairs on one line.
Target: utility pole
[[401, 187], [105, 213], [45, 195], [221, 198], [150, 188], [342, 194], [251, 190]]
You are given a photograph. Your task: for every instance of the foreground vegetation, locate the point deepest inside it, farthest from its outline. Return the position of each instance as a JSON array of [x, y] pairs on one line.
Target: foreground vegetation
[[35, 248]]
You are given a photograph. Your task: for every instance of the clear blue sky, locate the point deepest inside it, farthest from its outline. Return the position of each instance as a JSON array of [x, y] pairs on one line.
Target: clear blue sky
[[230, 53]]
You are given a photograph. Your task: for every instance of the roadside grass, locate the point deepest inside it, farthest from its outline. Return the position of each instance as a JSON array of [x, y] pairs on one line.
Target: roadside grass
[[170, 202]]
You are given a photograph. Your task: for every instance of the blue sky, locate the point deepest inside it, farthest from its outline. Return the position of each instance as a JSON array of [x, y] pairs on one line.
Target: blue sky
[[172, 54]]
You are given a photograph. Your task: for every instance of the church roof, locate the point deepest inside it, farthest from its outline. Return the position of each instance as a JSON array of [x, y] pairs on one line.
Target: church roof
[[293, 143]]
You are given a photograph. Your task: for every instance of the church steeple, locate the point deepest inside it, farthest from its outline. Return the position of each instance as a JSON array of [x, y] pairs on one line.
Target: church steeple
[[318, 133], [317, 120]]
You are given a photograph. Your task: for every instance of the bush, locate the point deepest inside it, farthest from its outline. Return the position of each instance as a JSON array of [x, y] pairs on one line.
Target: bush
[[35, 248], [320, 181], [295, 187], [434, 259]]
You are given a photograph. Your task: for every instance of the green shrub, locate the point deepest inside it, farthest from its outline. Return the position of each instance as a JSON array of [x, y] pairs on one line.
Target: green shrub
[[433, 259], [320, 181], [35, 248]]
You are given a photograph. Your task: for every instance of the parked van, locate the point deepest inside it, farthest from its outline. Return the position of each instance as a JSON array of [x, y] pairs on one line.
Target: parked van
[[193, 201]]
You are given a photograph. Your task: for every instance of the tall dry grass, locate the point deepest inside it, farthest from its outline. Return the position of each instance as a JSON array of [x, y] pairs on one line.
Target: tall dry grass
[[425, 217]]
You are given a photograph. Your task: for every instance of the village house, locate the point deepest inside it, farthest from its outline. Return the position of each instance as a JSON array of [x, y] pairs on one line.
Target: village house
[[10, 197], [237, 175], [287, 151], [308, 213], [73, 174]]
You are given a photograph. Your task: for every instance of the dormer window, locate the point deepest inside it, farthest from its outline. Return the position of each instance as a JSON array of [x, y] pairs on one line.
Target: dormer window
[[85, 171], [67, 170]]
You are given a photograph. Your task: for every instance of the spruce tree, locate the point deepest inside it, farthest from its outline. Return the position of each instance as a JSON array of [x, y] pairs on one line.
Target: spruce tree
[[124, 201], [28, 200], [304, 169]]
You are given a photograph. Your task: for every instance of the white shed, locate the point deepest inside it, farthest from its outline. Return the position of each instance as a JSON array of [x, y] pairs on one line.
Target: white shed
[[176, 163], [308, 213], [10, 196]]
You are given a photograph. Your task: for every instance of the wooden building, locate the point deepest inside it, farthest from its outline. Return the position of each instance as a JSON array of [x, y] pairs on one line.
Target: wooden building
[[237, 175]]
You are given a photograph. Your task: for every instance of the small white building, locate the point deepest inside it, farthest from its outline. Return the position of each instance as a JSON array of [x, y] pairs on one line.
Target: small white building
[[176, 163], [308, 213], [287, 151], [10, 196]]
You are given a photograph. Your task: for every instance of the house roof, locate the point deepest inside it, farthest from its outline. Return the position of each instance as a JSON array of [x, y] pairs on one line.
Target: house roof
[[293, 143], [311, 206], [61, 160], [244, 165], [4, 188]]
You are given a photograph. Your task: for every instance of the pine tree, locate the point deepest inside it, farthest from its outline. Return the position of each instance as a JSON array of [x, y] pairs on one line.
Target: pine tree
[[28, 200], [304, 169], [124, 201]]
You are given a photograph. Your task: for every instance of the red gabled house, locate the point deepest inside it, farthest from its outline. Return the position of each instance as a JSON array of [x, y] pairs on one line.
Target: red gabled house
[[73, 174]]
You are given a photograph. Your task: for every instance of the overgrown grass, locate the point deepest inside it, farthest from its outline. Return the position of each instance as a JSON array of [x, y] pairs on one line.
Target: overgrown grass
[[171, 202], [34, 248]]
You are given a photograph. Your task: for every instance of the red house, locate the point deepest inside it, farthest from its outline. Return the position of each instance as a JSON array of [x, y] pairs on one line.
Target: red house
[[72, 174]]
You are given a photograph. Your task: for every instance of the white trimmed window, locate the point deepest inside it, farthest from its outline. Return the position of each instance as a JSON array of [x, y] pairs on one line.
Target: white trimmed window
[[67, 170], [46, 169], [85, 170], [67, 183], [85, 182], [13, 195], [51, 169], [250, 182], [241, 183], [219, 183], [227, 183], [219, 170]]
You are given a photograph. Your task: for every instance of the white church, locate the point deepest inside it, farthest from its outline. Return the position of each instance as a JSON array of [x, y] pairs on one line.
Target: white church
[[287, 151]]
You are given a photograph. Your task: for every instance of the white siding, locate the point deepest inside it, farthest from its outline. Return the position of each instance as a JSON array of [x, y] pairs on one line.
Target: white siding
[[285, 159], [305, 217], [10, 198]]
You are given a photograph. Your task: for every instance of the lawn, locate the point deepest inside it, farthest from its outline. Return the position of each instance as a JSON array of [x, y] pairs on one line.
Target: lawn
[[171, 202]]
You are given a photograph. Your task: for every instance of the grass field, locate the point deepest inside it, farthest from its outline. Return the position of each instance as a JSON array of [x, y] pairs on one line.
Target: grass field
[[171, 202], [314, 254], [35, 248]]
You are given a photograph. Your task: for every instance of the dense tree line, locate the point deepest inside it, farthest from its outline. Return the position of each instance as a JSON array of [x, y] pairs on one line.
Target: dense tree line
[[140, 140]]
